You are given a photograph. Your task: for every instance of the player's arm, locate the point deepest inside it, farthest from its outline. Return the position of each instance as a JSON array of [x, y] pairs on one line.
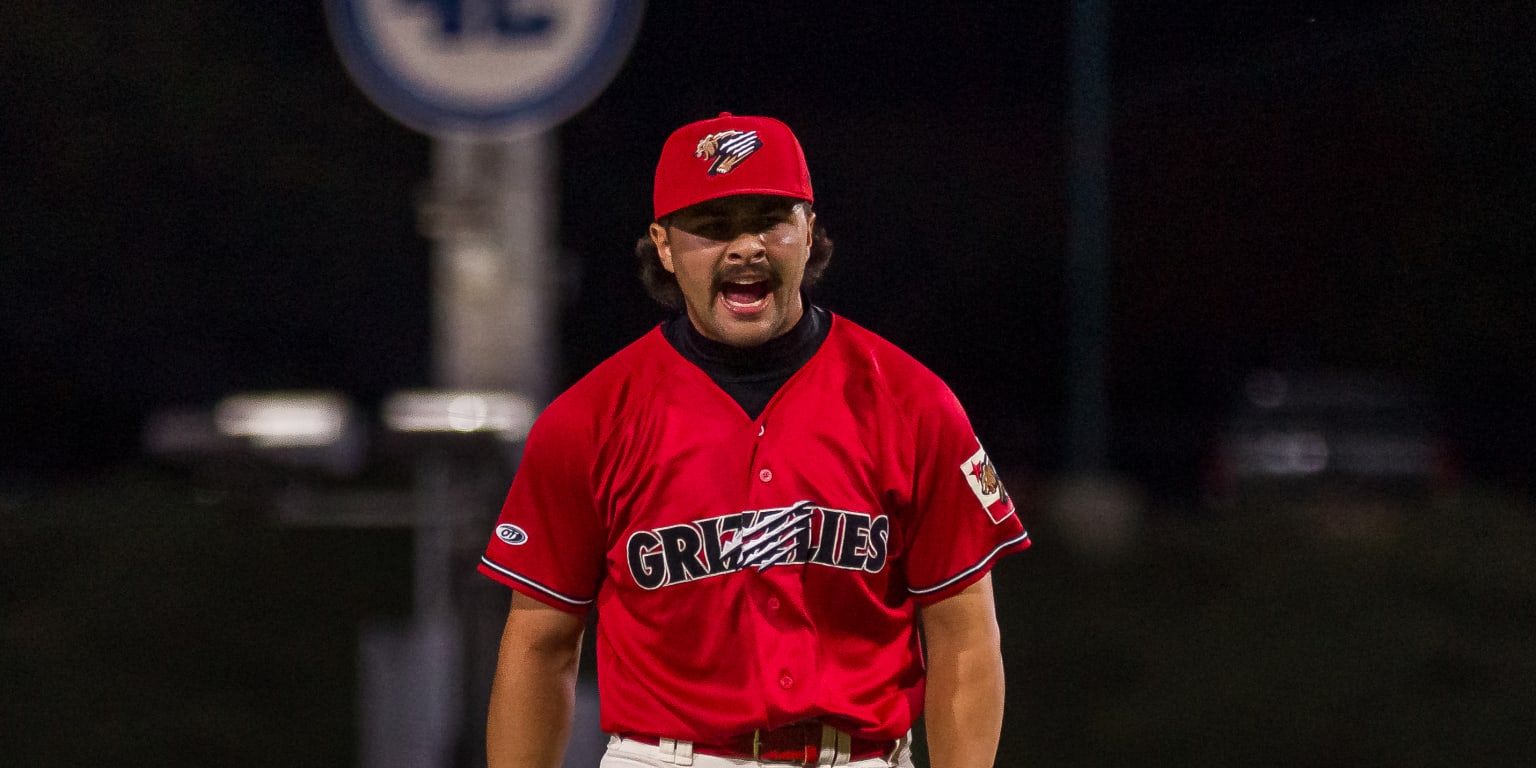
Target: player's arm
[[963, 706], [534, 693]]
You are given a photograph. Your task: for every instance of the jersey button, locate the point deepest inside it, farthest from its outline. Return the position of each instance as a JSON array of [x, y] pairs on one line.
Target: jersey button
[[786, 682], [773, 604], [765, 475]]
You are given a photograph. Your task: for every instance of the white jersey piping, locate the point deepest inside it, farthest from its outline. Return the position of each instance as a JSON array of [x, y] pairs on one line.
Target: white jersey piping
[[521, 579], [967, 572]]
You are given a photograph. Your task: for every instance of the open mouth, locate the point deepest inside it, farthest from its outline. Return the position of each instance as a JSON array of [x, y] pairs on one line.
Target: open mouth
[[745, 296]]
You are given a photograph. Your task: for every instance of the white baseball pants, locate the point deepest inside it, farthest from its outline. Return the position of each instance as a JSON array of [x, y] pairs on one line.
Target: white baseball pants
[[628, 753]]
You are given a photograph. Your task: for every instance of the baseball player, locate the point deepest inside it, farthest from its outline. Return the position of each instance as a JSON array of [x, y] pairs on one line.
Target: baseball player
[[763, 502]]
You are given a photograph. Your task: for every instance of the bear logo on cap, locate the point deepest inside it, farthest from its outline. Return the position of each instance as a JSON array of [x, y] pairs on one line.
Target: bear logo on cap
[[727, 149]]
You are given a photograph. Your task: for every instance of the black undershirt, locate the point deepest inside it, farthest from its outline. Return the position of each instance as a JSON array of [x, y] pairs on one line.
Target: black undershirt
[[750, 375]]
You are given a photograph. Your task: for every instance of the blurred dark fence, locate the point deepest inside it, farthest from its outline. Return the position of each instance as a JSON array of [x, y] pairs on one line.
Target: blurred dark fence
[[148, 620]]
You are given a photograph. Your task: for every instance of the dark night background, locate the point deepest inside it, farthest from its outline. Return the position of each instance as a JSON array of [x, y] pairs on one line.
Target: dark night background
[[195, 200]]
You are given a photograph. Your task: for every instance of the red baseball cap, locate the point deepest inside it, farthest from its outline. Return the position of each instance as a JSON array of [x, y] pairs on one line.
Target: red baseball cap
[[729, 155]]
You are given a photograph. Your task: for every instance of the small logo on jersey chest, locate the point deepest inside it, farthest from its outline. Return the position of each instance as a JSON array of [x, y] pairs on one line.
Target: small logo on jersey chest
[[511, 534]]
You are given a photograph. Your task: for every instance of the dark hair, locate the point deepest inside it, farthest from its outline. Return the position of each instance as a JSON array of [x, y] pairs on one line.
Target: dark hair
[[662, 285]]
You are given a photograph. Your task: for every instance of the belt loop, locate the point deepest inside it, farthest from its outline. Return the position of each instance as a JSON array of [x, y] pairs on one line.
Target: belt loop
[[900, 745], [836, 747], [674, 751]]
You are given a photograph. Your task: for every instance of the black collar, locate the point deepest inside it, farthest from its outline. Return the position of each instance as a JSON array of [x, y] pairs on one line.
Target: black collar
[[751, 375]]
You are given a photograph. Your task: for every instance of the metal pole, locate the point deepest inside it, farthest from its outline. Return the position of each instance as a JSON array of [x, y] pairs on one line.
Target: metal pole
[[491, 214], [1098, 511], [1088, 258]]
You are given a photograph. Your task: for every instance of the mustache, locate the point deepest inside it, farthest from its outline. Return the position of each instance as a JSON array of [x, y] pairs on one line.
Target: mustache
[[746, 274]]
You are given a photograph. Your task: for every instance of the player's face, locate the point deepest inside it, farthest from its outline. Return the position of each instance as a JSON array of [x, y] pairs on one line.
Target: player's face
[[739, 261]]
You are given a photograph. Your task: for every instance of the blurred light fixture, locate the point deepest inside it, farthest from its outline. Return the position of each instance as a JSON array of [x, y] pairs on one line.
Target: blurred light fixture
[[507, 414], [300, 419], [1284, 453]]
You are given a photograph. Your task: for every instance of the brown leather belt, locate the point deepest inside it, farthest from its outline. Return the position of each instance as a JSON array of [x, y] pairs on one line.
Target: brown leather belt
[[793, 743]]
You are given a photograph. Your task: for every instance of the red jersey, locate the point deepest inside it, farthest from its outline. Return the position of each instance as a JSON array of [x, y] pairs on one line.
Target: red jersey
[[753, 573]]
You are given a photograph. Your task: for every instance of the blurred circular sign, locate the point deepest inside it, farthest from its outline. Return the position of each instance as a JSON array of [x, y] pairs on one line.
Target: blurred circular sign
[[483, 67]]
